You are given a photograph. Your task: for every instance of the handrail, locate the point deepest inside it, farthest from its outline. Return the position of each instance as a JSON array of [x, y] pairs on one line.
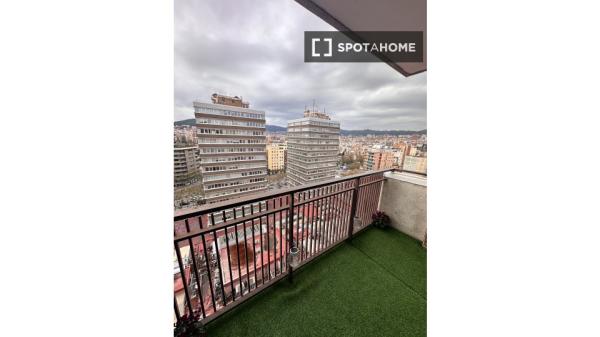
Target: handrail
[[219, 206]]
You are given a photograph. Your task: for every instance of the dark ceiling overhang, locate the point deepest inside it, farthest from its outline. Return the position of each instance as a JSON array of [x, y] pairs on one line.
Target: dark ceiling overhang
[[352, 16]]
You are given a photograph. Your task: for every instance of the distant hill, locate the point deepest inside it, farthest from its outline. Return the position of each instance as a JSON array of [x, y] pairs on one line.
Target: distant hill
[[276, 128], [190, 122], [382, 132]]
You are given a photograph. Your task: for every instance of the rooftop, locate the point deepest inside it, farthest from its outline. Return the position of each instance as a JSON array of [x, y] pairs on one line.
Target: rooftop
[[373, 286]]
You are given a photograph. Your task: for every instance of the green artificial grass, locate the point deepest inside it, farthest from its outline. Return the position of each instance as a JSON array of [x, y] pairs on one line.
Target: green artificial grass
[[399, 254], [374, 286]]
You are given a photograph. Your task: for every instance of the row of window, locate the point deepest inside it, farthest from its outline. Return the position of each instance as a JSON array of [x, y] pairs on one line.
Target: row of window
[[230, 132], [229, 141], [230, 113], [230, 159], [234, 175], [313, 135], [314, 123], [209, 121], [313, 160], [312, 148], [233, 183], [231, 149], [292, 129], [313, 141], [235, 191], [313, 154], [231, 167]]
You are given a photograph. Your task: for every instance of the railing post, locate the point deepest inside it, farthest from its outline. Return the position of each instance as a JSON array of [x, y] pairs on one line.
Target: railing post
[[353, 209], [290, 225]]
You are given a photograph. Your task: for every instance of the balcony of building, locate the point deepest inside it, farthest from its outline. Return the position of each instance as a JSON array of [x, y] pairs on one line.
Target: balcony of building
[[348, 278]]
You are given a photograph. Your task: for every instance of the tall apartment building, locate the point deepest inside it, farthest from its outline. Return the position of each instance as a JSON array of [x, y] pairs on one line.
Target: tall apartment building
[[313, 147], [231, 147], [276, 155], [187, 166], [380, 159]]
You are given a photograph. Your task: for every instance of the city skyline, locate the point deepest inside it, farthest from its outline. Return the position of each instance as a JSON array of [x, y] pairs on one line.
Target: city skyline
[[265, 66]]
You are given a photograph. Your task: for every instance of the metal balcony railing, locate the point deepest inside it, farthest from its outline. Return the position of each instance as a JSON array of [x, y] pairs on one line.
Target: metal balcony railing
[[227, 252]]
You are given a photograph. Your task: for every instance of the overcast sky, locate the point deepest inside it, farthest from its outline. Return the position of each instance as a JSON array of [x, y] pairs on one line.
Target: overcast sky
[[254, 49]]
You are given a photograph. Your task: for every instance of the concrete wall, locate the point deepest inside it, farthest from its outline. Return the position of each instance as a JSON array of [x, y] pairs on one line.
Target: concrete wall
[[404, 199]]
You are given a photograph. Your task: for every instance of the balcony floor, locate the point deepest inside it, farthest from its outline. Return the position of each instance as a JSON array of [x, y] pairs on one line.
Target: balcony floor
[[375, 286]]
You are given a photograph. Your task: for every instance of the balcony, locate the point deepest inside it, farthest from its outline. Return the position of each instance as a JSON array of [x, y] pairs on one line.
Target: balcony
[[351, 279]]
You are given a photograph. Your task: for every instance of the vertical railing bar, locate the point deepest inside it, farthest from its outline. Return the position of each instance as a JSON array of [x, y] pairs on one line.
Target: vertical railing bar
[[210, 278], [193, 254], [237, 249], [309, 224], [274, 244], [353, 209], [254, 246], [345, 204], [360, 202], [229, 262], [268, 248], [373, 202], [226, 233], [302, 231], [187, 225], [246, 250], [281, 237], [324, 220], [290, 232], [262, 253], [369, 212], [313, 226], [365, 204], [327, 239], [380, 193], [329, 220], [310, 206], [216, 241], [182, 273], [340, 212], [320, 222], [375, 199], [298, 230], [333, 215], [275, 235]]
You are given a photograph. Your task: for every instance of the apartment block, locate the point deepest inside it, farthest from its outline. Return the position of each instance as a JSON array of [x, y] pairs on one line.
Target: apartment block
[[231, 148], [313, 148], [380, 159], [187, 165], [415, 164], [276, 156]]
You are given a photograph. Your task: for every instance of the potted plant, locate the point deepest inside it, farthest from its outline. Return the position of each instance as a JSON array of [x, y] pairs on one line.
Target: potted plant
[[380, 219], [190, 326]]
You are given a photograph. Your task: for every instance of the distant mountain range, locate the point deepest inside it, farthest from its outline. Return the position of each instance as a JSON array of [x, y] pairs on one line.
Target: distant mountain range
[[276, 128]]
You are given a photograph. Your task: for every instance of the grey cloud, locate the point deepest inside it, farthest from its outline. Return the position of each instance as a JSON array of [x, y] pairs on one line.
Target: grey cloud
[[254, 49]]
